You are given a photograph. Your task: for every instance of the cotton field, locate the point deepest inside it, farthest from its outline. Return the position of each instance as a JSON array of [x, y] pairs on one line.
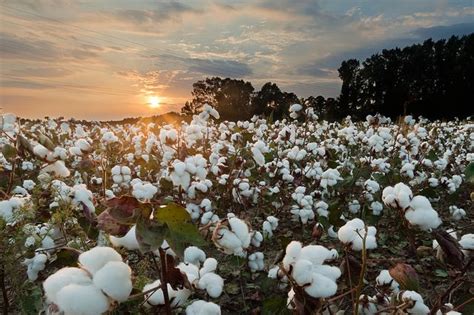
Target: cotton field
[[295, 216]]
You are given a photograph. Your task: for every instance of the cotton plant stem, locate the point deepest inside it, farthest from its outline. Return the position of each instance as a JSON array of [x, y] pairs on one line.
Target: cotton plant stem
[[362, 273], [4, 291], [164, 280]]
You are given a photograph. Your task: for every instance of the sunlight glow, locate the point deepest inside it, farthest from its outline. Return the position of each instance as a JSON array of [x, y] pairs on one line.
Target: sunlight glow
[[153, 101]]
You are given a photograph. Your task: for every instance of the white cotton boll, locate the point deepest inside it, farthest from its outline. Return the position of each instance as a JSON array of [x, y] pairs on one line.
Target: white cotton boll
[[257, 239], [83, 145], [317, 254], [76, 299], [83, 196], [330, 272], [41, 151], [229, 242], [419, 308], [209, 217], [97, 257], [129, 240], [302, 272], [293, 251], [467, 242], [191, 271], [422, 214], [267, 229], [154, 297], [256, 261], [212, 283], [209, 265], [57, 168], [115, 280], [457, 213], [241, 229], [116, 170], [144, 191], [63, 277], [354, 206], [179, 167], [353, 233], [321, 286], [29, 184], [35, 265], [194, 255], [201, 307], [385, 279]]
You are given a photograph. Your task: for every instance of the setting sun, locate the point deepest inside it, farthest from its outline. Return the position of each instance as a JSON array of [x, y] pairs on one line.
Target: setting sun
[[153, 101]]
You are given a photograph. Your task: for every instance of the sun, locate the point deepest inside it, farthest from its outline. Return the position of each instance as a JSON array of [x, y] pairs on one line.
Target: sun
[[153, 101]]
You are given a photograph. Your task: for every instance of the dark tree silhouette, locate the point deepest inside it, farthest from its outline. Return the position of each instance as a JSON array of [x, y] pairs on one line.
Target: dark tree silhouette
[[270, 100]]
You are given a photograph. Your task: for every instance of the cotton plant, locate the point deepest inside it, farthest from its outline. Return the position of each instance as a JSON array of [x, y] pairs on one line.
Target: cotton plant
[[303, 209], [101, 280], [269, 226]]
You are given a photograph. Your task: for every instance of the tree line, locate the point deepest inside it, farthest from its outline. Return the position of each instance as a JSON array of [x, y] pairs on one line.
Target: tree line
[[434, 79]]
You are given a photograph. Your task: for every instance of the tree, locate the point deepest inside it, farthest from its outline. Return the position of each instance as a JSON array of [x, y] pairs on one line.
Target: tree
[[271, 100]]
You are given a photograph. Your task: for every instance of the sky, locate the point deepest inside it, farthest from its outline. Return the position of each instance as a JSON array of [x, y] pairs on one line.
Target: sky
[[110, 59]]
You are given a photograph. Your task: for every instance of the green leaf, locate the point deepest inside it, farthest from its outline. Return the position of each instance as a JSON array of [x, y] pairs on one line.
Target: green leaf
[[46, 142], [182, 232], [441, 273], [335, 212], [150, 234], [9, 151], [470, 172], [275, 305]]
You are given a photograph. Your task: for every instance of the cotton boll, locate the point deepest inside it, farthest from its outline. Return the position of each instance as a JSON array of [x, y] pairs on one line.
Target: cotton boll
[[115, 280], [353, 233], [384, 279], [419, 308], [194, 255], [154, 297], [96, 258], [467, 242], [302, 272], [57, 168], [255, 261], [320, 286], [129, 241], [63, 277], [293, 251], [241, 229], [77, 299], [212, 283], [201, 307], [210, 265], [191, 271], [257, 239], [35, 265]]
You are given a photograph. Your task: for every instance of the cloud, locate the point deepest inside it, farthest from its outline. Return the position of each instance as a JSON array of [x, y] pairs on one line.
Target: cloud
[[315, 71], [165, 11], [23, 84], [439, 32], [42, 72]]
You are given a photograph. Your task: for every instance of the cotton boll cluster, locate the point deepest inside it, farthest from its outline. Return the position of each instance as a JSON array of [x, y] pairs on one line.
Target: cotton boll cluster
[[354, 206], [9, 207], [306, 267], [109, 137], [232, 236], [457, 213], [256, 261], [121, 174], [269, 225], [398, 196], [408, 170], [297, 154], [156, 297], [201, 307], [353, 233], [329, 178], [322, 208], [102, 279], [143, 190], [303, 210]]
